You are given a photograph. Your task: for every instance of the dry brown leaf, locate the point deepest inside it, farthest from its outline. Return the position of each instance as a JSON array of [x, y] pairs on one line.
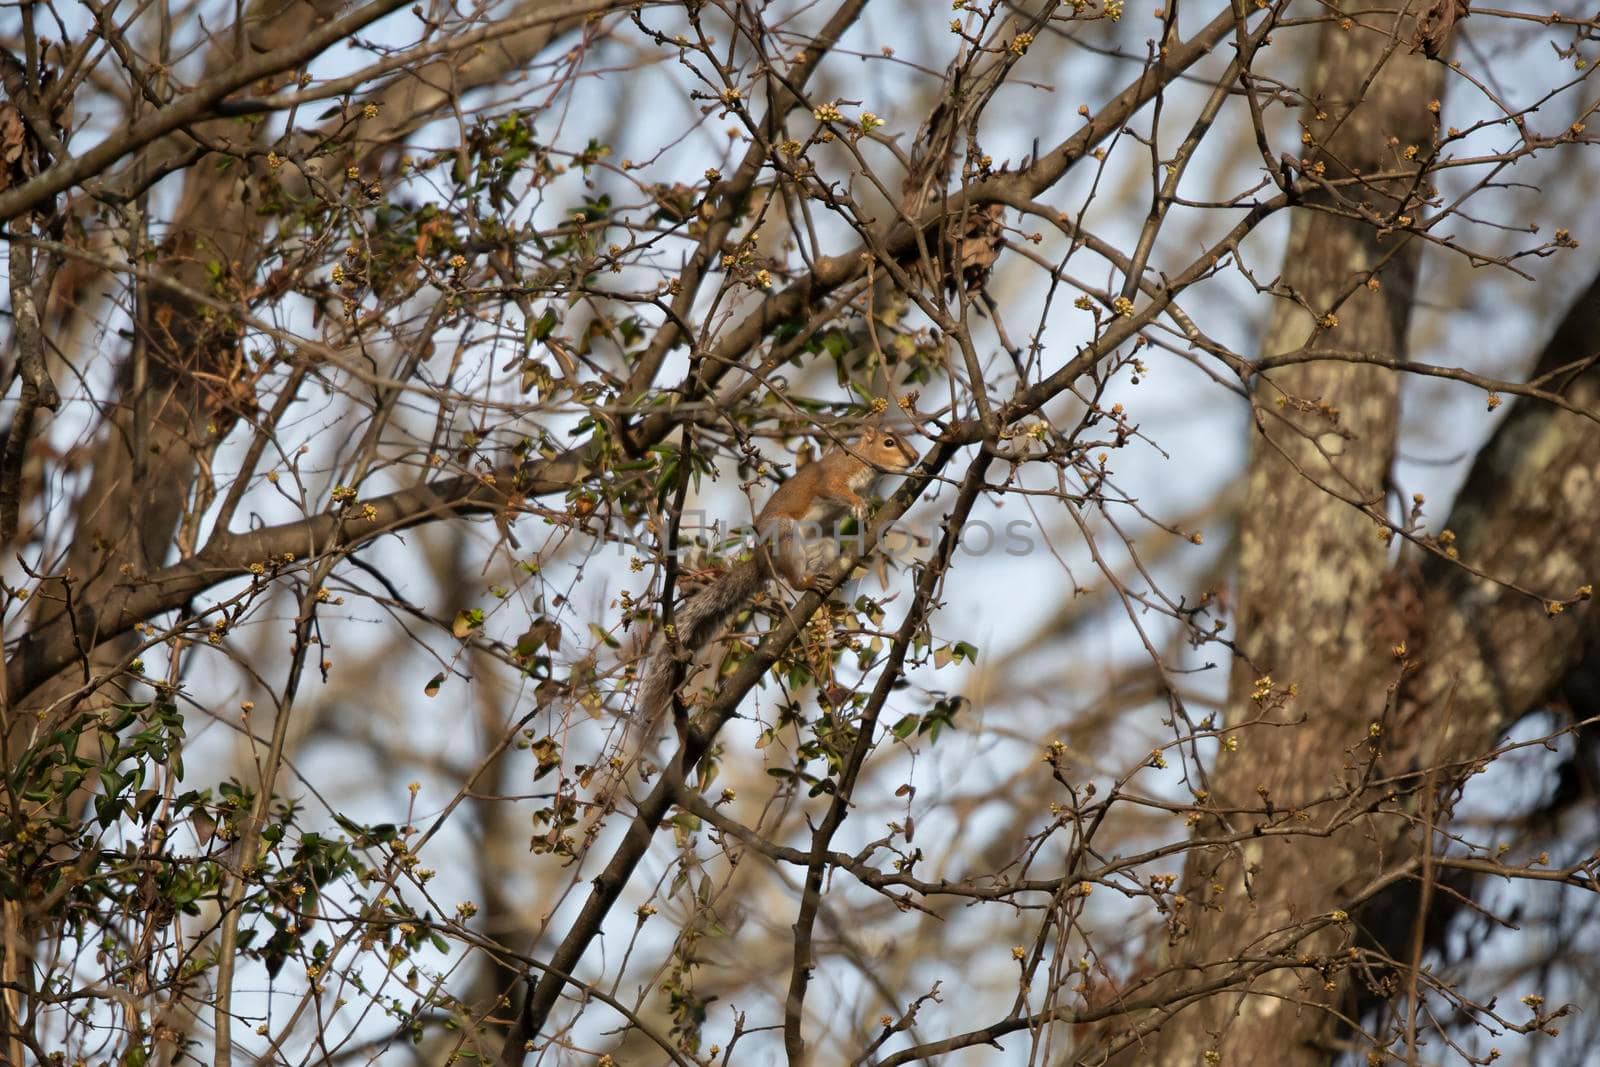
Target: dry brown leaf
[[1436, 24], [979, 244]]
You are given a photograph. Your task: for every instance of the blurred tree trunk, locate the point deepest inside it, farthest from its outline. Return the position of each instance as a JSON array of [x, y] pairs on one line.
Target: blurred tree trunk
[[177, 379], [1404, 677], [183, 380], [173, 389], [1313, 568]]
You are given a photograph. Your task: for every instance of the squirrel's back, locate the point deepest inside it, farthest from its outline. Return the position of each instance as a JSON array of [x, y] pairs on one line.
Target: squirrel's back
[[695, 623]]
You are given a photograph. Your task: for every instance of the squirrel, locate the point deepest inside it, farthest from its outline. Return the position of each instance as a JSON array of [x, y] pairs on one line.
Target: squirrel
[[795, 533]]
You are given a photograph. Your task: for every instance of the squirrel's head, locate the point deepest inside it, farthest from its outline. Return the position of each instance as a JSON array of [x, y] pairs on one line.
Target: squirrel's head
[[885, 449]]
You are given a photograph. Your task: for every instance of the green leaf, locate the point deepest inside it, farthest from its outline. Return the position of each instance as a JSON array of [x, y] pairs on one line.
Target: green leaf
[[545, 325], [126, 714], [107, 810]]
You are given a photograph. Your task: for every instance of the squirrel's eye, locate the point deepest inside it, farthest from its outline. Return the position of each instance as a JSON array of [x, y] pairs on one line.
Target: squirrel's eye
[[889, 440]]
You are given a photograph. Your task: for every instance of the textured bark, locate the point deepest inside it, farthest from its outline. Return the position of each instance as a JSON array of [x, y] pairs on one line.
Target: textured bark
[[1525, 516], [1312, 570], [1488, 653]]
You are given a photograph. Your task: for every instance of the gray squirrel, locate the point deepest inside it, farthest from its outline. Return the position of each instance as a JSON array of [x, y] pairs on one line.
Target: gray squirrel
[[794, 532]]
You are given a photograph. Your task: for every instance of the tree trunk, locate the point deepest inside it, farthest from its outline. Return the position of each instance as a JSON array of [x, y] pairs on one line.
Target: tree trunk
[[1313, 572]]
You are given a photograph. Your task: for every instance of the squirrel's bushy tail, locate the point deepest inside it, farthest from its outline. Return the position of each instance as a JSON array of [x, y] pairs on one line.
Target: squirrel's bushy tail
[[695, 623]]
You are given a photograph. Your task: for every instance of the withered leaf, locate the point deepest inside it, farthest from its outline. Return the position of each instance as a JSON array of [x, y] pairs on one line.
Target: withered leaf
[[978, 246], [1435, 25], [13, 134]]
